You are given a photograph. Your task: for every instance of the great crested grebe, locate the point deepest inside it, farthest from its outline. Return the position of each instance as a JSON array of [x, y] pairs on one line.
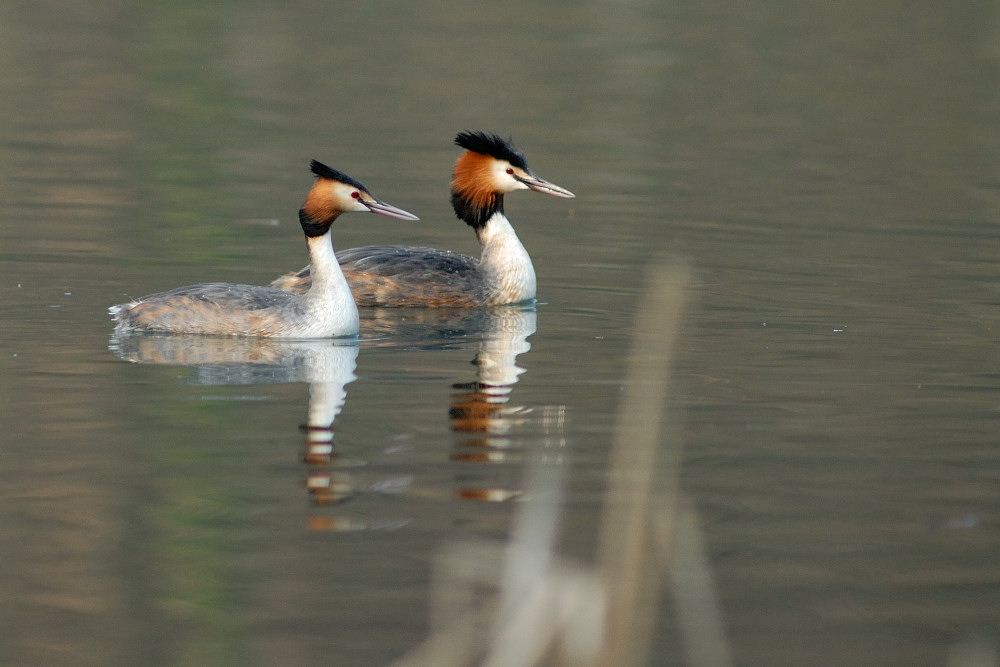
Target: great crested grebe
[[392, 275], [326, 310]]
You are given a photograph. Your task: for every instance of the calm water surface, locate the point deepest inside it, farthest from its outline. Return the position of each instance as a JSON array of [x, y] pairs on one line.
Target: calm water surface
[[828, 172]]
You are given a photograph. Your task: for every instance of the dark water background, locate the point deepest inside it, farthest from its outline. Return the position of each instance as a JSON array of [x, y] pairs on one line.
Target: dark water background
[[829, 171]]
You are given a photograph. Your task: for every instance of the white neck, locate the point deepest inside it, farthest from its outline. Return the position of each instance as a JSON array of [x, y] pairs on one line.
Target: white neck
[[329, 298], [504, 260]]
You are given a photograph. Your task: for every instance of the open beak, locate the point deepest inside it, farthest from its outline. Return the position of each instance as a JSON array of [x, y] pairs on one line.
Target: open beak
[[543, 186], [389, 211]]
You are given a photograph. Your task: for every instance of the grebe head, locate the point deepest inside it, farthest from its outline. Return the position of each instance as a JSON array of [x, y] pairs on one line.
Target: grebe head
[[334, 193], [491, 167], [495, 162]]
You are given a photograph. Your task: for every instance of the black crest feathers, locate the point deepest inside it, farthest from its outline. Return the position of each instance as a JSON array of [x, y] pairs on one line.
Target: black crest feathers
[[492, 145], [323, 171]]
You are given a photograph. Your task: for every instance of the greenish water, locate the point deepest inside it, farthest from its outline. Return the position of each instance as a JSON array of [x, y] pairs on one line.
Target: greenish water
[[829, 172]]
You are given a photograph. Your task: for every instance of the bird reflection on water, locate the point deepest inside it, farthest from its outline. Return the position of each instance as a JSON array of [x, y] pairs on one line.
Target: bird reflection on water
[[327, 366], [489, 429], [492, 435], [480, 413]]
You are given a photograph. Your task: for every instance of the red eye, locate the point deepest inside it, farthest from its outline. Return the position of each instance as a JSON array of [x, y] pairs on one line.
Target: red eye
[[510, 171], [356, 195]]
